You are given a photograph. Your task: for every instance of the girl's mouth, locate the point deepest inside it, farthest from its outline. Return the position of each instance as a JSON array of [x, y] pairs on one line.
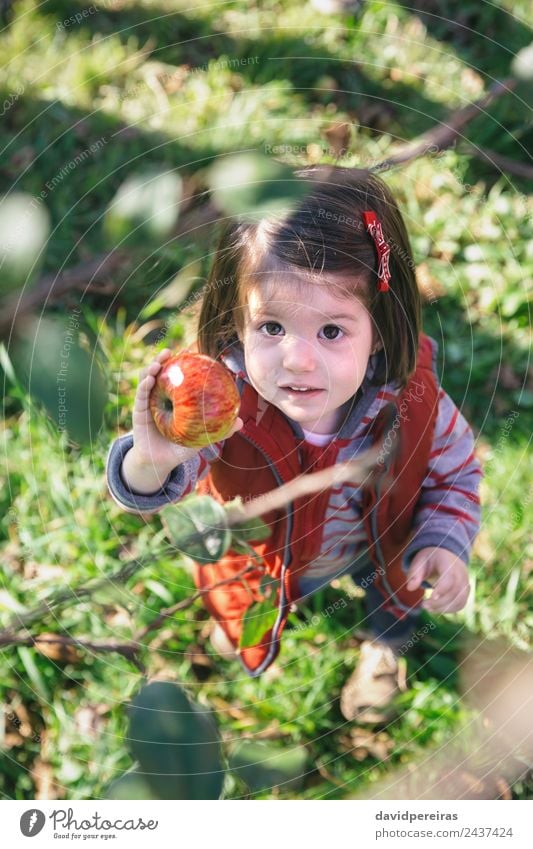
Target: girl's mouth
[[305, 391]]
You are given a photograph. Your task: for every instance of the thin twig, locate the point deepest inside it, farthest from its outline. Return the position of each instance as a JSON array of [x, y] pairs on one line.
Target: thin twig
[[303, 485], [306, 484], [74, 594], [187, 602], [127, 650]]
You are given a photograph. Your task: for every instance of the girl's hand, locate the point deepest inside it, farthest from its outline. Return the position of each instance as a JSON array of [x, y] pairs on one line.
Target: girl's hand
[[448, 574], [149, 446]]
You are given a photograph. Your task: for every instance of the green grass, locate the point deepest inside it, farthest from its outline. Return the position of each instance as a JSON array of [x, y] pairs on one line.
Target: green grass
[[391, 74]]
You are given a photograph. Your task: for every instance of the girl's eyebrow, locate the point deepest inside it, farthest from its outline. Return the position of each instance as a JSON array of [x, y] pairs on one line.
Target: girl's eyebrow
[[343, 317], [264, 311]]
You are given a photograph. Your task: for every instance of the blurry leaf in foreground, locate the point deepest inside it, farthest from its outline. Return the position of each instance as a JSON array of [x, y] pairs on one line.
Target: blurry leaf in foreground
[[198, 527], [176, 744], [63, 376], [249, 183], [131, 785], [263, 766], [258, 619], [24, 228], [338, 7], [522, 64], [522, 69], [494, 746], [146, 206]]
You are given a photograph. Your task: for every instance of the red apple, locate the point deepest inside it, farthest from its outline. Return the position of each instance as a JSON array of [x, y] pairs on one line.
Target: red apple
[[194, 400]]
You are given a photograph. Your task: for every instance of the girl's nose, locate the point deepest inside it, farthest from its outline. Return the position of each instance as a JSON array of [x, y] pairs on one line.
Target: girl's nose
[[298, 355]]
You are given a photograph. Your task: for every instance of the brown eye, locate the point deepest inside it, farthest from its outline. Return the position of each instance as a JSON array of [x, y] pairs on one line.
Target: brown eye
[[331, 331]]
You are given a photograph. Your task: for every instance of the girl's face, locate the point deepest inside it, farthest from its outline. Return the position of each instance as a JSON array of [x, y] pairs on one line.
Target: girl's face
[[306, 351]]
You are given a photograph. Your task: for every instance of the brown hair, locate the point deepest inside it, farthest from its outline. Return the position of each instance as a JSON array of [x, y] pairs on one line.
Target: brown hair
[[323, 235]]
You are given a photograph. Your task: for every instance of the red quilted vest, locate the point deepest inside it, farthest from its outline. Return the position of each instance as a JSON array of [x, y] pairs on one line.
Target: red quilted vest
[[266, 453]]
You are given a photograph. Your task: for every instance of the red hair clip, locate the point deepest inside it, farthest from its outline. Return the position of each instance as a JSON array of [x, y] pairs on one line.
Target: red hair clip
[[373, 227]]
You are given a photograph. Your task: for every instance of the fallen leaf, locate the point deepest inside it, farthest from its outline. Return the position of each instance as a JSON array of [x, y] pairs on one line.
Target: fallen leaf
[[56, 651], [338, 136]]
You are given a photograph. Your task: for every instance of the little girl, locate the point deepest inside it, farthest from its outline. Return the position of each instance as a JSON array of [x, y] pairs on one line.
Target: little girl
[[316, 312]]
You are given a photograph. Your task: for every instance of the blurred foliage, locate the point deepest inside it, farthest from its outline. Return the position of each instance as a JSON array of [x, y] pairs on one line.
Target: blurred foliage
[[138, 89]]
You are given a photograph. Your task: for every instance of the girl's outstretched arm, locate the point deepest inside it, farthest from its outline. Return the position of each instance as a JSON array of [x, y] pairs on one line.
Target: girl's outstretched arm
[[180, 481]]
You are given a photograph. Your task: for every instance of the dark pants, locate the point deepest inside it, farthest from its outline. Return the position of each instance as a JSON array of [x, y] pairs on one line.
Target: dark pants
[[382, 625]]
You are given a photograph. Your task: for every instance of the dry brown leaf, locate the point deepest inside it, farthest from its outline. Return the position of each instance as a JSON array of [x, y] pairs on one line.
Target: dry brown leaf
[[56, 651], [338, 136], [43, 777]]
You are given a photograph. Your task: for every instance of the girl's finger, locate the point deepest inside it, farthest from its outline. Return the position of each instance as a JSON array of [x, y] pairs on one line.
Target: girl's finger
[[164, 355], [145, 386], [416, 574]]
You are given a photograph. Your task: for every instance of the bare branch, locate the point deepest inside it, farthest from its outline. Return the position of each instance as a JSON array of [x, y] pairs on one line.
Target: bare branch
[[127, 650], [95, 275], [305, 484], [444, 134], [187, 602]]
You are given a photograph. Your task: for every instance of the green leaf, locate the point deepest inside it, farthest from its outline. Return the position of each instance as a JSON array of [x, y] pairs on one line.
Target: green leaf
[[263, 766], [252, 530], [198, 527], [24, 228], [176, 743], [248, 183], [131, 785], [175, 293], [159, 590], [146, 206], [258, 619], [33, 673], [9, 602]]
